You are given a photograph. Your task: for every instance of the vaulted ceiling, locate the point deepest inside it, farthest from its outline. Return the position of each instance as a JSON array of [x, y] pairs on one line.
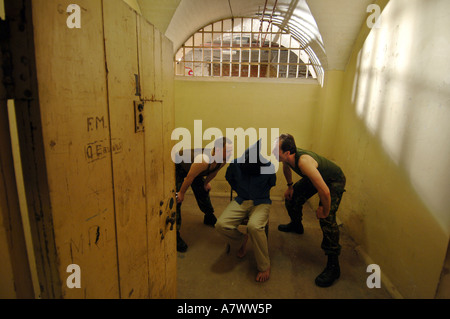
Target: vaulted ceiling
[[330, 26]]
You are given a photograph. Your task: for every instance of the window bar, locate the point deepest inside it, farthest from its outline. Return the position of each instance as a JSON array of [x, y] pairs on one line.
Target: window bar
[[250, 51], [231, 62], [203, 51], [240, 46], [298, 64], [221, 50], [249, 60], [184, 63], [250, 48], [242, 29], [288, 57], [279, 57], [231, 48], [211, 67], [260, 45], [259, 62], [272, 37], [212, 50], [307, 68]]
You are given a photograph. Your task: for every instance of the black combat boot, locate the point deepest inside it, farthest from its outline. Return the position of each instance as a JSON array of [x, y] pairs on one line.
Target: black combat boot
[[292, 228], [181, 245], [330, 273], [209, 219]]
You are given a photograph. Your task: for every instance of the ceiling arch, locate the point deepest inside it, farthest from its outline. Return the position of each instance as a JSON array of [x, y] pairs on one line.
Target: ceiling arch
[[191, 15], [331, 26]]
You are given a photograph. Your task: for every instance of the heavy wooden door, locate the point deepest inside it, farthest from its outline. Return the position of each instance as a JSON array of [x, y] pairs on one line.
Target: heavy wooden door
[[143, 183], [95, 135]]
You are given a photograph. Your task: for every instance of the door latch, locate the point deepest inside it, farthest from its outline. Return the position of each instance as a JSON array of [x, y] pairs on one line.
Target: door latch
[[170, 220]]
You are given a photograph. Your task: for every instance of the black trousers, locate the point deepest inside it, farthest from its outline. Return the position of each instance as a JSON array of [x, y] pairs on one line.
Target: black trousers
[[304, 190], [201, 195]]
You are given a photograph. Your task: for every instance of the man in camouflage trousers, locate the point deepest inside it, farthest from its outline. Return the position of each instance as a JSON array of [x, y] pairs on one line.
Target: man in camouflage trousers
[[319, 175]]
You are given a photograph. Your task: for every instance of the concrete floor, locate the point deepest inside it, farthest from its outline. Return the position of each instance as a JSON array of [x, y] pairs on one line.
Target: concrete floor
[[205, 271]]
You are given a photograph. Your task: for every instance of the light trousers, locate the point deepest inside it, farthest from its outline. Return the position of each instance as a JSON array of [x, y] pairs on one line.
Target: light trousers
[[232, 217]]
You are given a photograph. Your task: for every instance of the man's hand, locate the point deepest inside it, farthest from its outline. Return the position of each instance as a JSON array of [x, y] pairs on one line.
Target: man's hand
[[180, 197], [288, 193], [207, 187], [320, 214]]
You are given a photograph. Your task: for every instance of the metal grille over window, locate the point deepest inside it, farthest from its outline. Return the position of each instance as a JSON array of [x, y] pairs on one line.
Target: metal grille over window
[[246, 47]]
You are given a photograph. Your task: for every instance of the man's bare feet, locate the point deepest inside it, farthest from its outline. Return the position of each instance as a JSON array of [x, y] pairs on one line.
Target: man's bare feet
[[263, 276], [243, 250]]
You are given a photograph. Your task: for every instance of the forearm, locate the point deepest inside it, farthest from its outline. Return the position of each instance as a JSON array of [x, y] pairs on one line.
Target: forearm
[[287, 174], [186, 183], [325, 201]]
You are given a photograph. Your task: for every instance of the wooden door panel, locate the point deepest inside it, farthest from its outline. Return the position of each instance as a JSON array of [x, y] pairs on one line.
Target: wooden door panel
[[102, 191], [146, 45], [155, 198], [160, 170], [71, 79], [128, 157], [169, 167]]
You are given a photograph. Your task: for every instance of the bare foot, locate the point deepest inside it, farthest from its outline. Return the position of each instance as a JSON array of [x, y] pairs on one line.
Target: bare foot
[[263, 276], [243, 250]]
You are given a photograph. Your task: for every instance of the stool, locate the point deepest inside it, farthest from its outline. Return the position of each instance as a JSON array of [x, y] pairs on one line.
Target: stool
[[245, 221]]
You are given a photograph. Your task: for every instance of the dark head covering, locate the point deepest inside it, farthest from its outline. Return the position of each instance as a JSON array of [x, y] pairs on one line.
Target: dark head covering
[[252, 160]]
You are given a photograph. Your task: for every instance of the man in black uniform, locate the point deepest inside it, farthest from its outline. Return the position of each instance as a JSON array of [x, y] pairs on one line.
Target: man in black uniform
[[196, 168], [319, 175]]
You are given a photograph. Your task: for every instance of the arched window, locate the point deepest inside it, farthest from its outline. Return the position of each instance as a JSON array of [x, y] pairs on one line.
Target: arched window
[[245, 47]]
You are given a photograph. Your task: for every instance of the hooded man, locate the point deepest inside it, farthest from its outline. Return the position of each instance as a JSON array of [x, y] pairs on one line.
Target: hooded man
[[251, 177]]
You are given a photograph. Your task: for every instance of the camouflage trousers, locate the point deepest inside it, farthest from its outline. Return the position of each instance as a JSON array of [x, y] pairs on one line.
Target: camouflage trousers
[[201, 195], [303, 190]]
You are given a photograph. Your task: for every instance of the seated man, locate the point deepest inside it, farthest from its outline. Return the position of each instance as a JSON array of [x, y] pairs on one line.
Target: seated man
[[252, 183], [196, 168]]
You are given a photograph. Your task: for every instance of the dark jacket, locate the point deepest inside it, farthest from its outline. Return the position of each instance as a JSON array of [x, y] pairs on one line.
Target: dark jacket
[[249, 186]]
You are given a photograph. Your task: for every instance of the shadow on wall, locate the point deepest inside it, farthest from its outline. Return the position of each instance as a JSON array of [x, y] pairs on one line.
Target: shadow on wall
[[401, 92], [393, 147]]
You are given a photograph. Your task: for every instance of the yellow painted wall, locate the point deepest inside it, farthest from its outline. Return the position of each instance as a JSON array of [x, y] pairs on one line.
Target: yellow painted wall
[[392, 143], [159, 12], [383, 120], [134, 4], [327, 114], [223, 104], [2, 9]]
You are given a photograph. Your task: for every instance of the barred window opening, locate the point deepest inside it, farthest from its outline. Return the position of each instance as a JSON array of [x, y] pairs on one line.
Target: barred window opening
[[246, 47]]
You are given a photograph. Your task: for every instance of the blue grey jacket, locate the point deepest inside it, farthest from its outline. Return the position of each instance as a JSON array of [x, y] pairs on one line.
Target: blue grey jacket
[[251, 187]]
